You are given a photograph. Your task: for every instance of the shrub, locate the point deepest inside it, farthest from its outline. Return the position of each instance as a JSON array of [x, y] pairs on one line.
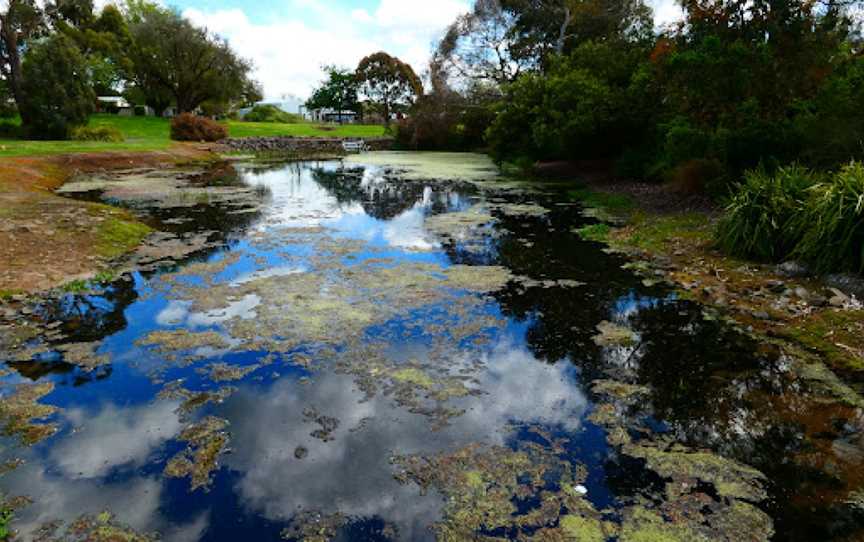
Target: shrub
[[271, 113], [188, 127], [9, 130], [833, 225], [98, 133], [761, 220], [59, 95]]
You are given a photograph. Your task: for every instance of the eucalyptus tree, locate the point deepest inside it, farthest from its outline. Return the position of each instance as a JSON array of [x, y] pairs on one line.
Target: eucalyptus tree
[[388, 83], [20, 22]]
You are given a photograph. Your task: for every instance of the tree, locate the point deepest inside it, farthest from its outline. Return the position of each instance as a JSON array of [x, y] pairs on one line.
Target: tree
[[174, 58], [501, 39], [103, 40], [479, 46], [338, 92], [388, 82], [21, 21], [59, 95], [547, 27], [7, 107]]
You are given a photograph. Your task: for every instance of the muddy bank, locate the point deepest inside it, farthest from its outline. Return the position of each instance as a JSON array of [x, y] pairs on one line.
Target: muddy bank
[[46, 240]]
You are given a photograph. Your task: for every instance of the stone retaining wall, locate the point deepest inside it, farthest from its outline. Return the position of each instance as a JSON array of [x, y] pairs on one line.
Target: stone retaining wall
[[290, 144]]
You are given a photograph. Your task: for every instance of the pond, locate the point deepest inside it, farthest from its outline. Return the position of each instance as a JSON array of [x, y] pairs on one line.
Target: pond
[[402, 347]]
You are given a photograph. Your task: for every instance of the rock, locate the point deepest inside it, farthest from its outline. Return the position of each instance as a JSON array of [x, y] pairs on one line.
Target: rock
[[776, 286], [838, 299], [847, 284], [802, 293], [818, 301], [793, 269], [761, 315]]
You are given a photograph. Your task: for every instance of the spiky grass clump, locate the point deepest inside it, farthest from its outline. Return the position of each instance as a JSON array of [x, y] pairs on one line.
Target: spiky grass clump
[[833, 225], [762, 218]]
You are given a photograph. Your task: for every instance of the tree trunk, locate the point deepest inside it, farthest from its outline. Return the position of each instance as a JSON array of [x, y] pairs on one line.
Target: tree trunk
[[562, 34], [13, 57]]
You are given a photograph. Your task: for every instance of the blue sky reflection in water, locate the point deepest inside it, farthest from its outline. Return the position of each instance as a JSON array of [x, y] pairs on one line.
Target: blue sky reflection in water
[[116, 435], [359, 319]]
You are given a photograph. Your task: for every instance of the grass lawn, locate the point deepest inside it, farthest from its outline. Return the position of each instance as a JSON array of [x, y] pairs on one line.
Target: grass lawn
[[151, 134]]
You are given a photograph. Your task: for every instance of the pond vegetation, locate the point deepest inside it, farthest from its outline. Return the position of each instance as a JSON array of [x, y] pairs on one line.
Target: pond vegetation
[[388, 348]]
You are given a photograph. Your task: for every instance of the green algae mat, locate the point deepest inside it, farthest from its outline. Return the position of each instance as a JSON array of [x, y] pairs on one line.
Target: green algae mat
[[400, 346]]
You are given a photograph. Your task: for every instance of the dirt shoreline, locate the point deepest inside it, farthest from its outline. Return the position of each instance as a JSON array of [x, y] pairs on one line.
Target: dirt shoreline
[[47, 240]]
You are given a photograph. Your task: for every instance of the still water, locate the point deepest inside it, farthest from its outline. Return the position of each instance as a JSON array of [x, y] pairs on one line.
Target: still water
[[362, 351]]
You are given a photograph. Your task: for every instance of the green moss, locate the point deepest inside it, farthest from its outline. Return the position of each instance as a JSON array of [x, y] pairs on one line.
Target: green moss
[[582, 529], [610, 202], [117, 237], [595, 232], [207, 441], [482, 485], [6, 295], [20, 413], [838, 336], [6, 516], [105, 277], [729, 478], [75, 287], [474, 479], [653, 232], [644, 525], [413, 376], [100, 528]]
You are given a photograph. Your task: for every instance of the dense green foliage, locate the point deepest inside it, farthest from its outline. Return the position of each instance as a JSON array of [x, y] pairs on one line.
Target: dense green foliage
[[270, 113], [796, 213], [59, 96], [150, 54], [173, 58], [833, 225], [339, 92], [723, 103], [762, 219], [738, 84]]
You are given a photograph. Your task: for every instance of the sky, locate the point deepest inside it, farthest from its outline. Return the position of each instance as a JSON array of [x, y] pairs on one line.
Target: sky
[[289, 40]]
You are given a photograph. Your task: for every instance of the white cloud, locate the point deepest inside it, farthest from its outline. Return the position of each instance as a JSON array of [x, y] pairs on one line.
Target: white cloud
[[289, 51], [666, 12]]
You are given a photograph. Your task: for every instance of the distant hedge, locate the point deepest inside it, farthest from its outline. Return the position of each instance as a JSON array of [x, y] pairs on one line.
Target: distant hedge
[[271, 113]]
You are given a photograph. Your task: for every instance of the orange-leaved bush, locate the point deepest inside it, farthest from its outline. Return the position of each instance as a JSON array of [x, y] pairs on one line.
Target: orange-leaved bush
[[189, 127]]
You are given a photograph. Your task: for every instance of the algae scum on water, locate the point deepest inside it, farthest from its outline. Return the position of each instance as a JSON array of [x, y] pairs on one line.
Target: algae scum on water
[[402, 346]]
